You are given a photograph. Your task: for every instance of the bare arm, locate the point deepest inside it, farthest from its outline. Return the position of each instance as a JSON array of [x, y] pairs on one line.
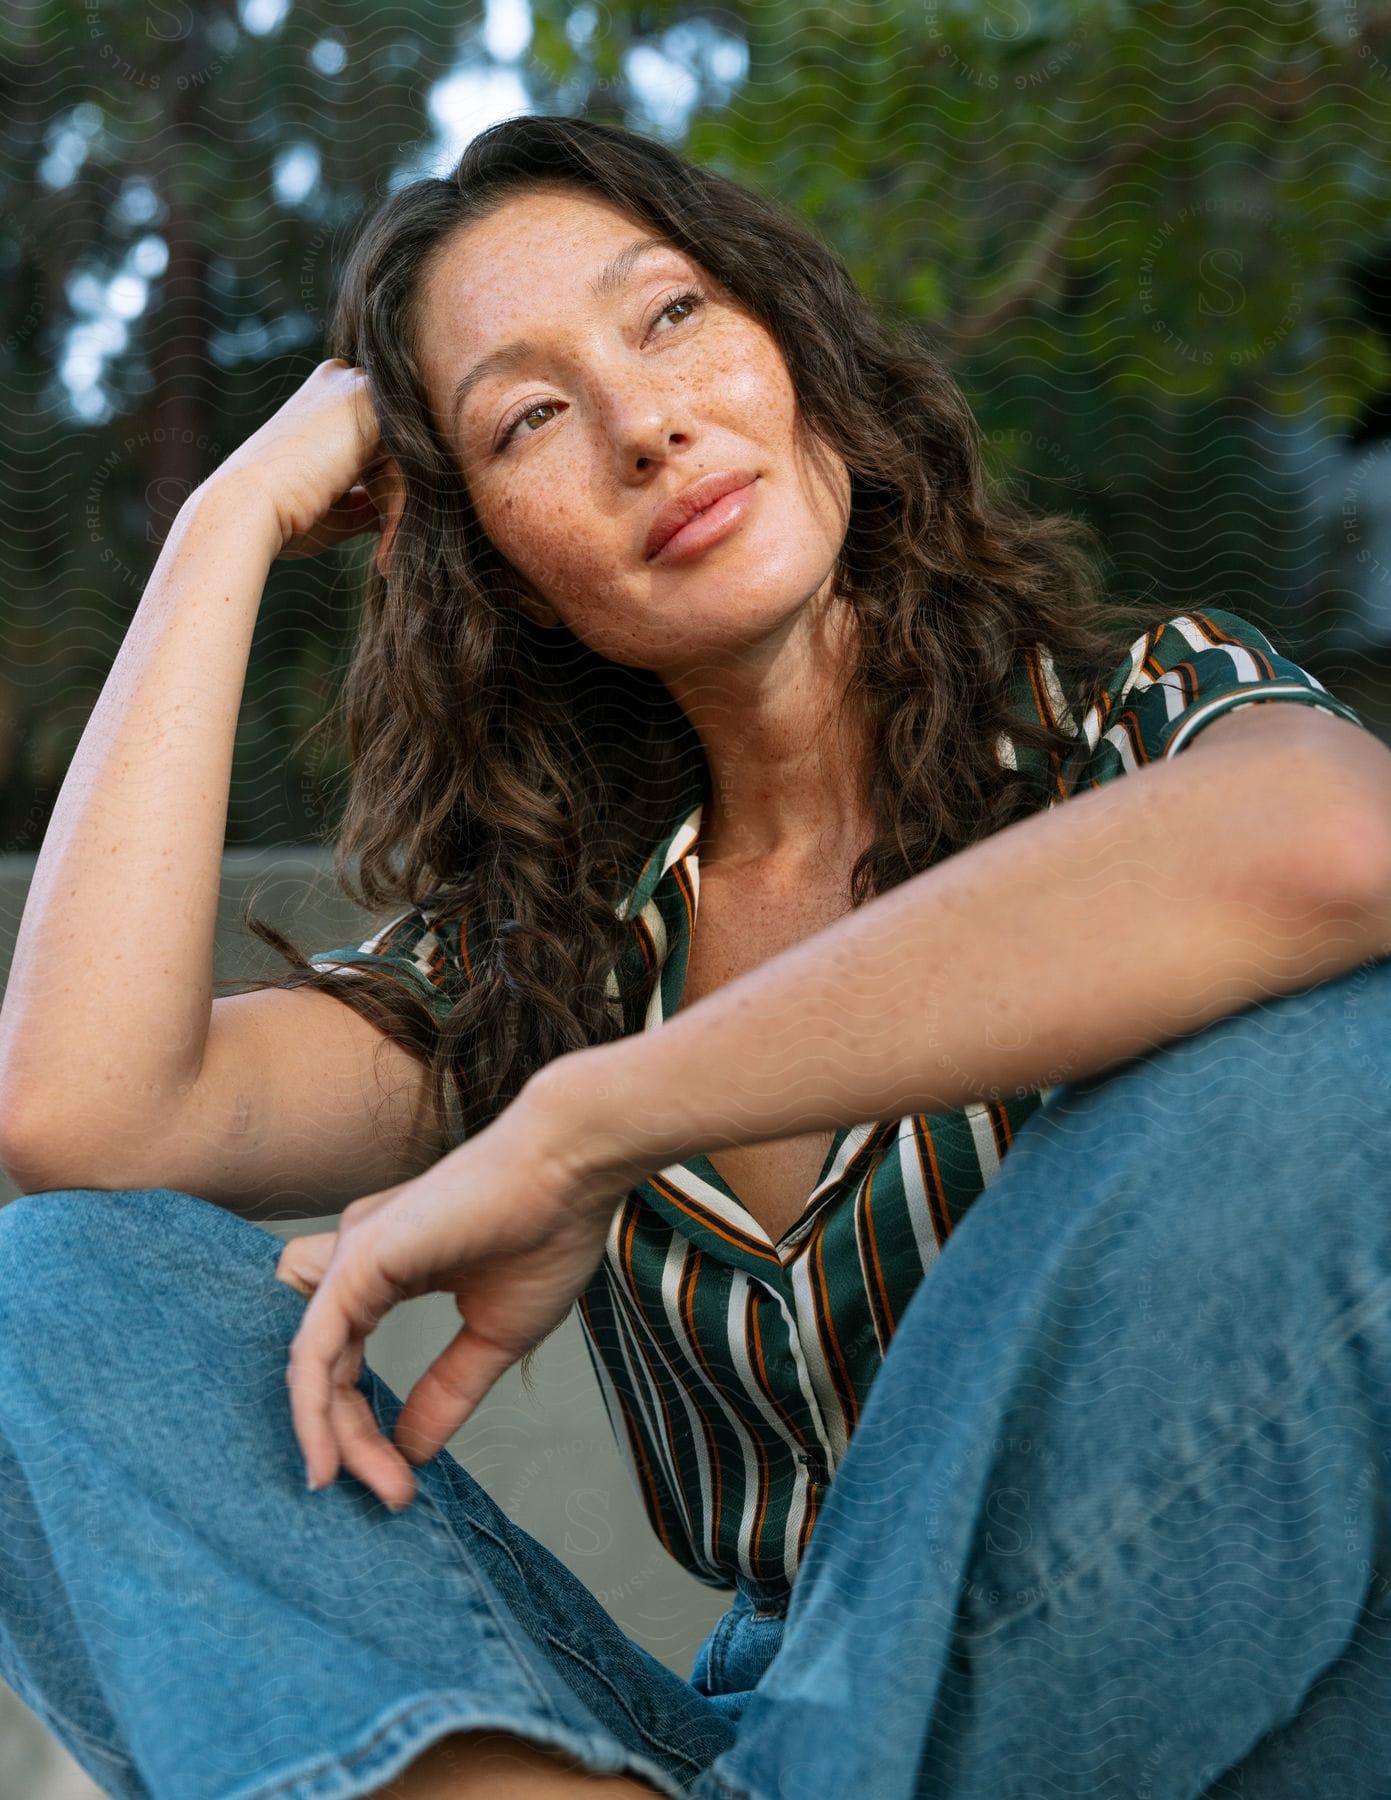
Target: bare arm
[[110, 988], [1061, 946], [107, 1013]]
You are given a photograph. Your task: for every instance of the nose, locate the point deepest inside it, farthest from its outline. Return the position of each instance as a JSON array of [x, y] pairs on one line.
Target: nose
[[664, 441], [645, 425]]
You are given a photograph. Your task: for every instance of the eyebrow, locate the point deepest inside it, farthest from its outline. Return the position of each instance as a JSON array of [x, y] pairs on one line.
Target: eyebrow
[[609, 279]]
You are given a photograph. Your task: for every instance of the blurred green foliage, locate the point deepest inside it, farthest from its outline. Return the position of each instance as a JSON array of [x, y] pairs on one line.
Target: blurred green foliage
[[1135, 230]]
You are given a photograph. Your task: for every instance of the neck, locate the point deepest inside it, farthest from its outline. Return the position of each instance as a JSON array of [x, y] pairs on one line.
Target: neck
[[788, 756]]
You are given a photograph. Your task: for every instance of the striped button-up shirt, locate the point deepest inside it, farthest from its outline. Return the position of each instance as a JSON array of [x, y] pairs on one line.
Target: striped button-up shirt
[[734, 1369]]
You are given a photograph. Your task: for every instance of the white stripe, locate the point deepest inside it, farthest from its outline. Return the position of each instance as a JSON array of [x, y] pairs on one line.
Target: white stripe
[[686, 835], [614, 995], [419, 958], [835, 1432], [652, 918], [1220, 703], [1119, 740], [679, 1253], [1245, 664], [693, 1186], [612, 1404], [1091, 724], [983, 1137], [793, 1240], [1057, 700], [646, 1397], [651, 915], [735, 1313], [915, 1194]]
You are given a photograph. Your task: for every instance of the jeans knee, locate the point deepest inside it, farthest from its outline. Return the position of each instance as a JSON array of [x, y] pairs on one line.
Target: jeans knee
[[81, 1225], [1283, 1082], [1247, 1164], [100, 1260]]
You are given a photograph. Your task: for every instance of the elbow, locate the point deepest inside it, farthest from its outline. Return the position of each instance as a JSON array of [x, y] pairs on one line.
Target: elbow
[[25, 1172], [16, 1151], [37, 1153], [1346, 859], [1362, 889]]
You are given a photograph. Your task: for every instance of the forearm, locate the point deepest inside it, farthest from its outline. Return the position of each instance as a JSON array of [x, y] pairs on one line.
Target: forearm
[[1068, 943], [110, 988]]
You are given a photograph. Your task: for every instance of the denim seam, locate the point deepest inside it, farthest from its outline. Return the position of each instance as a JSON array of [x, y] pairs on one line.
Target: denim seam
[[562, 1644], [507, 1627], [510, 1628], [667, 1750], [1283, 1399], [724, 1632], [501, 1542]]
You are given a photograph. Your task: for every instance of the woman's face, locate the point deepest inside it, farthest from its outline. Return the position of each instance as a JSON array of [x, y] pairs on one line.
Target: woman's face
[[619, 400]]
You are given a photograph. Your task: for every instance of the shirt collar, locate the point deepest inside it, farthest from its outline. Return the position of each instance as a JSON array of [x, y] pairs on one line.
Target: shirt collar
[[683, 833]]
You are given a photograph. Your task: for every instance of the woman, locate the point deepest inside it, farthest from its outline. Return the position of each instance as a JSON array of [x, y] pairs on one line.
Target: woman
[[702, 674]]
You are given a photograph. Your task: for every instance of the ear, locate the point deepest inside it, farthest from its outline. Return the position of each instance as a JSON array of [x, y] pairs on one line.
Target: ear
[[388, 493]]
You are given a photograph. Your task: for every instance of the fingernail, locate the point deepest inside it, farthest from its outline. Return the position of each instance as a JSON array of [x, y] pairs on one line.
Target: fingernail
[[311, 1484]]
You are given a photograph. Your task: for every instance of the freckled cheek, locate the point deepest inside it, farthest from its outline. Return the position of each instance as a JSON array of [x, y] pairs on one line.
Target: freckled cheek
[[555, 549], [753, 401]]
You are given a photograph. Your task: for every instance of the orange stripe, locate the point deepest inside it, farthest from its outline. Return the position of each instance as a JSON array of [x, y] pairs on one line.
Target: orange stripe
[[651, 1502], [933, 1185], [882, 1306], [686, 888], [464, 956], [740, 1240], [830, 1338], [1127, 721], [645, 943], [1034, 670], [690, 1281], [627, 1232]]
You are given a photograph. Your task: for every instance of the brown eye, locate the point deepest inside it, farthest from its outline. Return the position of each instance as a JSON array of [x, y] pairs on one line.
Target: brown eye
[[691, 299]]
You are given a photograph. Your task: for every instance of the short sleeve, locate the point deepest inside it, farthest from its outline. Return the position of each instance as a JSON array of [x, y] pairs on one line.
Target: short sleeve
[[1180, 677], [421, 950]]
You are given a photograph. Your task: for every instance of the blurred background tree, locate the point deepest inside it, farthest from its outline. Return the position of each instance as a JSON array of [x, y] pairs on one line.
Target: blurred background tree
[[1153, 240]]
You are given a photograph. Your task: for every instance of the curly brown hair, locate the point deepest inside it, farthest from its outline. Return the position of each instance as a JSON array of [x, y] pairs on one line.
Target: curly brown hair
[[502, 770]]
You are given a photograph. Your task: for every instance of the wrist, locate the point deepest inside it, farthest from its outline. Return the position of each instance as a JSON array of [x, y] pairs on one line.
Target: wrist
[[588, 1122], [232, 500]]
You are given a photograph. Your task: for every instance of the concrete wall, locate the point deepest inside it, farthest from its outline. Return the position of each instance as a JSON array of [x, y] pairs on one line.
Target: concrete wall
[[548, 1458]]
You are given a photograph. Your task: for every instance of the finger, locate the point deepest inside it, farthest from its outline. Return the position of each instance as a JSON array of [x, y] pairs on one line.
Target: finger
[[333, 1324], [349, 517], [309, 1374], [354, 1297], [445, 1396], [305, 1260], [366, 1452]]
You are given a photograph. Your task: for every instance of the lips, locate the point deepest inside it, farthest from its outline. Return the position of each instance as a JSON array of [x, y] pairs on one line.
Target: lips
[[691, 501]]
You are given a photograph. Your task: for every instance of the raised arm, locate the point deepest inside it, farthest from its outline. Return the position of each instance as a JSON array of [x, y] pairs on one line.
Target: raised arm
[[106, 1073]]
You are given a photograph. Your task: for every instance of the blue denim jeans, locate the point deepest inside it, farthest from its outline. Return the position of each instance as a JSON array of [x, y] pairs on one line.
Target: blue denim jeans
[[1115, 1523]]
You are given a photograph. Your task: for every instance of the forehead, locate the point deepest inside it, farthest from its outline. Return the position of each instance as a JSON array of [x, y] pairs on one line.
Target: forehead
[[532, 244]]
